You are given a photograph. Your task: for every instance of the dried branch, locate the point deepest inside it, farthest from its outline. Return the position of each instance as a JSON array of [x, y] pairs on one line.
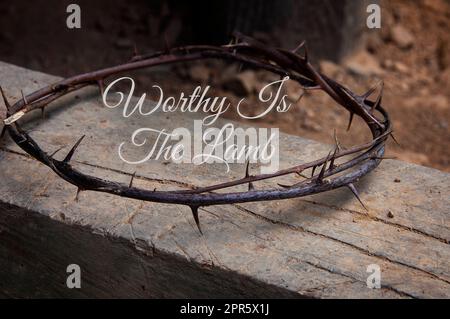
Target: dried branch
[[243, 50]]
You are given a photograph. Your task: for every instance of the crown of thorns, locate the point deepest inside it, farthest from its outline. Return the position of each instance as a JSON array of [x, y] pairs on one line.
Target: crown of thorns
[[325, 173]]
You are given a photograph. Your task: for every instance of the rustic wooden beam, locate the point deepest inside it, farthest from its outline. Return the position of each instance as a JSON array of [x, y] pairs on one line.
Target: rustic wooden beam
[[317, 247]]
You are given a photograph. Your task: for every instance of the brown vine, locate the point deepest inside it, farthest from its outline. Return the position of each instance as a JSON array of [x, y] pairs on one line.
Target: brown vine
[[326, 174]]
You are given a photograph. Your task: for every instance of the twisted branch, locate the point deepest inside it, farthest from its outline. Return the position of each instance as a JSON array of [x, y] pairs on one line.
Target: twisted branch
[[250, 52]]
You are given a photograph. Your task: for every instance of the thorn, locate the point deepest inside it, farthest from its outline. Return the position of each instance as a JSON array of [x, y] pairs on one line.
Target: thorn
[[250, 185], [72, 151], [396, 142], [132, 178], [54, 153], [299, 47], [5, 100], [333, 157], [379, 98], [355, 192], [284, 186], [322, 171], [101, 86], [313, 170], [43, 112], [25, 102], [350, 120], [336, 141], [305, 48], [197, 221], [301, 175], [246, 169], [371, 90], [240, 68], [78, 193]]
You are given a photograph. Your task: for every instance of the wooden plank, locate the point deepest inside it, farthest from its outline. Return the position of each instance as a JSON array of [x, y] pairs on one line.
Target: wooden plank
[[319, 246]]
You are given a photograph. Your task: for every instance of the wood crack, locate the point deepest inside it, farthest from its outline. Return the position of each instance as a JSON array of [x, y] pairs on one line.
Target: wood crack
[[365, 251], [387, 287], [377, 219]]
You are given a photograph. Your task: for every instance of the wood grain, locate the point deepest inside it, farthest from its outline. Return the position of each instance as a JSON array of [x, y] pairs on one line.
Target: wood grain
[[318, 246]]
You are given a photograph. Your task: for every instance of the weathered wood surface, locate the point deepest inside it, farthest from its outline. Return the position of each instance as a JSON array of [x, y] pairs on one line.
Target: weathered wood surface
[[318, 246]]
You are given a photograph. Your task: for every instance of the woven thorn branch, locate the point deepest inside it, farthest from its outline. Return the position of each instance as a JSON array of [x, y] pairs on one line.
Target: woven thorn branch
[[326, 174]]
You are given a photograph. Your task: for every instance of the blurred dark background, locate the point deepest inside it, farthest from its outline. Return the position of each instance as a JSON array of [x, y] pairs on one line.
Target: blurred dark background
[[34, 33]]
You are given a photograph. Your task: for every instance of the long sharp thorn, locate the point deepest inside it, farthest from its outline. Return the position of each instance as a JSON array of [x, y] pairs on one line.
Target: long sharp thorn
[[371, 90], [72, 151], [313, 170], [3, 131], [305, 48], [336, 141], [355, 192], [298, 47], [5, 100], [250, 185], [101, 86], [284, 186], [43, 112], [246, 169], [197, 220], [395, 140], [331, 167], [350, 120], [322, 171], [25, 102], [379, 98], [54, 153], [299, 173], [77, 194], [131, 181]]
